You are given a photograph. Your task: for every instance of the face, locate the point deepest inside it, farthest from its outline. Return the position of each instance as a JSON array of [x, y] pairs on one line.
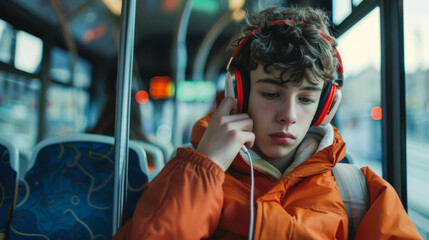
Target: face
[[281, 112]]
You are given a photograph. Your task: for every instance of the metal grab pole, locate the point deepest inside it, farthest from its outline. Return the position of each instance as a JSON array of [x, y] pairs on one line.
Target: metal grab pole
[[122, 123], [180, 58], [206, 45]]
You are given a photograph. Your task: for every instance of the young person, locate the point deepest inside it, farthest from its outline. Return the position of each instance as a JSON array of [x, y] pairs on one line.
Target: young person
[[285, 69]]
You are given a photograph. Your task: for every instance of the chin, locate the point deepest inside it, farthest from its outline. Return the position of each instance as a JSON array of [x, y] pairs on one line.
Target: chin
[[273, 152], [278, 155]]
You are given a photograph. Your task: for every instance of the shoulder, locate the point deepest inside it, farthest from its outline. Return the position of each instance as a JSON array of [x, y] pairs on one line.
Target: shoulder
[[385, 213], [376, 184]]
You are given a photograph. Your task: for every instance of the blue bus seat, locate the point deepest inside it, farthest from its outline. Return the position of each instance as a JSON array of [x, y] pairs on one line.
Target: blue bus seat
[[68, 192], [9, 169], [158, 158], [23, 163], [185, 145], [166, 148]]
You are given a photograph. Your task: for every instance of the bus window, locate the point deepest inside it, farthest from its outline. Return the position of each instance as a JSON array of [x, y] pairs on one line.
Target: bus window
[[60, 69], [341, 10], [356, 2], [28, 54], [65, 110], [83, 71], [19, 105], [416, 40], [6, 36], [359, 115], [67, 99]]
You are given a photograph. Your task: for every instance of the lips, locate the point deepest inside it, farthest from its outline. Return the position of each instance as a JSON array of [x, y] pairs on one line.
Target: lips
[[282, 137]]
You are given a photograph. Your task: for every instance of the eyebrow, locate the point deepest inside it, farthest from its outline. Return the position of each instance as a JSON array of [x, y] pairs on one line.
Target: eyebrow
[[283, 84]]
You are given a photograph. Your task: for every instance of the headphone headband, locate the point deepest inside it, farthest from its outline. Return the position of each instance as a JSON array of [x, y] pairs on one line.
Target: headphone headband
[[276, 22]]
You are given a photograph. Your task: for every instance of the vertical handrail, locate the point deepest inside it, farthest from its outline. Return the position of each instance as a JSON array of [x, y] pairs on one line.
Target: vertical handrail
[[180, 58], [122, 123], [44, 77], [206, 45], [394, 127]]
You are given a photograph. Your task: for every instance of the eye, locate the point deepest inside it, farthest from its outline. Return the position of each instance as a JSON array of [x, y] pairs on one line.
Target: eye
[[270, 95], [306, 101]]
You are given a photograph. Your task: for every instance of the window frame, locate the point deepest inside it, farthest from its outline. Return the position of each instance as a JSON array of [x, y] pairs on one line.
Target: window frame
[[394, 136]]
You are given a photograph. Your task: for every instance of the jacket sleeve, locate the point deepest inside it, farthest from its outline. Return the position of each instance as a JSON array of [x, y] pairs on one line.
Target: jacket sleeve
[[183, 202], [386, 218]]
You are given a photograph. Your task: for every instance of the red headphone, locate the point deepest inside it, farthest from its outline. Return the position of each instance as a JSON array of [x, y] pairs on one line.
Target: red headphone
[[329, 99]]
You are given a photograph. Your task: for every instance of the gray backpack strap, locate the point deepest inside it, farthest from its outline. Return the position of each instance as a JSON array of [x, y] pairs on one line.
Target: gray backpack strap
[[352, 186]]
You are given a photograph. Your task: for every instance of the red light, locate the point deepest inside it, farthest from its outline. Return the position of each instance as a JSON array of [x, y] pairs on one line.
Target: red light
[[376, 113], [160, 87], [142, 97], [169, 5], [95, 33]]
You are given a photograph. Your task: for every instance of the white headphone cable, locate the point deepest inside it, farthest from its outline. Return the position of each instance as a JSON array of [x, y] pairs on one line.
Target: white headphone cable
[[252, 187]]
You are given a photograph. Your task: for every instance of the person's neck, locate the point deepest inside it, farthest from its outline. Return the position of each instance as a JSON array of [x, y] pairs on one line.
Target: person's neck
[[280, 163]]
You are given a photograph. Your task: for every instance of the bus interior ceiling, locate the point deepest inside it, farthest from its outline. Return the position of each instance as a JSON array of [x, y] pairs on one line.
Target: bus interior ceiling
[[93, 27], [95, 30]]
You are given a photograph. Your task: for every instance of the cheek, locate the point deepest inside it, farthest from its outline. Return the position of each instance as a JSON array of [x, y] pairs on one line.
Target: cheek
[[260, 111], [262, 116], [306, 116], [257, 105]]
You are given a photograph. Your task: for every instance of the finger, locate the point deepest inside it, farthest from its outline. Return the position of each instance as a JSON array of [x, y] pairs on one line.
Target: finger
[[244, 124], [228, 106], [248, 139], [234, 117]]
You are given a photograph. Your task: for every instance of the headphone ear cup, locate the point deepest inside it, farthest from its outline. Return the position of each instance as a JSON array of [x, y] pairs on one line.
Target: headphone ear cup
[[239, 88], [322, 101], [333, 108], [328, 104], [234, 89]]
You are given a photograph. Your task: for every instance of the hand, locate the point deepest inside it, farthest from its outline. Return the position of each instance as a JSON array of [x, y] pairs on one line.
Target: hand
[[226, 134]]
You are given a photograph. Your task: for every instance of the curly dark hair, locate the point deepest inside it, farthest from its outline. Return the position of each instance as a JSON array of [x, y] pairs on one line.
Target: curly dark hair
[[297, 48]]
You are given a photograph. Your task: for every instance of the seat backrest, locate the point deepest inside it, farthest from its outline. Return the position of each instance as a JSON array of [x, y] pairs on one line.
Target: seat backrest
[[166, 148], [9, 169], [185, 145], [68, 192], [157, 157]]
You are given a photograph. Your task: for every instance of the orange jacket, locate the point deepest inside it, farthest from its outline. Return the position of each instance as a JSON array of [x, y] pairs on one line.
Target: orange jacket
[[192, 198]]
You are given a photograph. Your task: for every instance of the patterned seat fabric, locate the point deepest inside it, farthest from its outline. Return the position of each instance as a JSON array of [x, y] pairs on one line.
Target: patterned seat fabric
[[7, 190], [68, 194]]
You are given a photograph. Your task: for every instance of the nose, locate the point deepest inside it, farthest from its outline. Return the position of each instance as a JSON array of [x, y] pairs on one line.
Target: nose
[[287, 113]]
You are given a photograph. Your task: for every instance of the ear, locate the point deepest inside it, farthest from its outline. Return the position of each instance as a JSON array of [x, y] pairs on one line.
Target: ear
[[333, 109]]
